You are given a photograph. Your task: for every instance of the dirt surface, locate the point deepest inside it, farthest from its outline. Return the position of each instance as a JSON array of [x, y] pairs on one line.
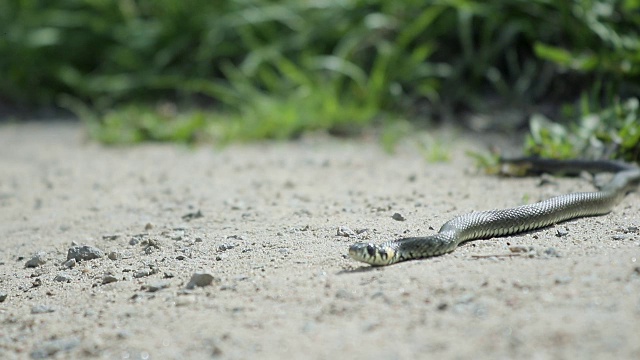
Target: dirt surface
[[259, 223]]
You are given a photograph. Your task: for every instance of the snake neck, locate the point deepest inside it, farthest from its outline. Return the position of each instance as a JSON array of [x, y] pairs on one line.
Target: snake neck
[[445, 241]]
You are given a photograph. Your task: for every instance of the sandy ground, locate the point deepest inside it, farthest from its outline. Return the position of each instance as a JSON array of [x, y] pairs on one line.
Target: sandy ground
[[281, 282]]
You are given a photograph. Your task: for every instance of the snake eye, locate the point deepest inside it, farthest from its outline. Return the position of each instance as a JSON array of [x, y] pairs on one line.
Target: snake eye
[[371, 250]]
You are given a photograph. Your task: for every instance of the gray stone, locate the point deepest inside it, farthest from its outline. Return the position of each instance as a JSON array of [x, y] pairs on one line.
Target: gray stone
[[345, 232], [62, 277], [144, 273], [108, 278], [42, 309], [84, 252], [200, 279], [398, 217], [155, 286], [69, 263], [36, 260]]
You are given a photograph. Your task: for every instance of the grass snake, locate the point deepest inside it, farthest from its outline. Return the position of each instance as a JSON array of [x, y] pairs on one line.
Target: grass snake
[[502, 222]]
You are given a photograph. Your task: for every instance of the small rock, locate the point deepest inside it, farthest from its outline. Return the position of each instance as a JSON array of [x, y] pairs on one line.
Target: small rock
[[110, 237], [144, 273], [42, 309], [62, 277], [519, 249], [398, 217], [153, 287], [619, 237], [50, 348], [36, 260], [108, 279], [113, 255], [560, 232], [148, 226], [346, 232], [192, 215], [200, 279], [69, 263], [84, 252], [3, 296], [225, 247]]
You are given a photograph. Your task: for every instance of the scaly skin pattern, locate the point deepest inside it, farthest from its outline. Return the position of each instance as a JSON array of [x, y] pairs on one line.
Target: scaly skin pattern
[[487, 224]]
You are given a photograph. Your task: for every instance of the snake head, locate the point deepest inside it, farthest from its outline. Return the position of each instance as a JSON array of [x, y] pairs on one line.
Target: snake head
[[372, 254]]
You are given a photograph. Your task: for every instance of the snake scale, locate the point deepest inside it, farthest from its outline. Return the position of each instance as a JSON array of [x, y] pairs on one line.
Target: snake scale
[[502, 222]]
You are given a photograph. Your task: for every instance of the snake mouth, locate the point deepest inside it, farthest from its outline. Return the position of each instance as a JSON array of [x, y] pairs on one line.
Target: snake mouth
[[363, 251]]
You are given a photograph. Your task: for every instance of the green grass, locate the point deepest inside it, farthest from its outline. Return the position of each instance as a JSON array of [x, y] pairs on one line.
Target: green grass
[[222, 71]]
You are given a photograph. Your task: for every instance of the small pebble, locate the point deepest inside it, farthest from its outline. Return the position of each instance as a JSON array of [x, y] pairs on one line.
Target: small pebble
[[36, 260], [113, 255], [200, 279], [62, 277], [69, 263], [144, 273], [398, 217], [148, 226], [225, 247], [84, 252], [153, 287], [3, 296], [42, 309], [108, 279], [192, 215], [619, 237], [519, 249], [560, 232], [345, 232]]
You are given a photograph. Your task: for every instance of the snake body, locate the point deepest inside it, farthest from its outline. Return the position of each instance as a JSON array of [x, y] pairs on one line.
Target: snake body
[[502, 222]]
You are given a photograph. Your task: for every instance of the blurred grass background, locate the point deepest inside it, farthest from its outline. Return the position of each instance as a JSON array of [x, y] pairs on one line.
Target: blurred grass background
[[165, 70]]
